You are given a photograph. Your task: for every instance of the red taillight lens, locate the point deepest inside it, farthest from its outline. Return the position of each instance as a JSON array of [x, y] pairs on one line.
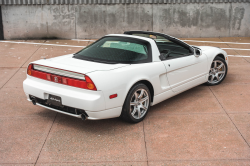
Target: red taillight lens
[[90, 84], [64, 80], [29, 70], [87, 84], [48, 77]]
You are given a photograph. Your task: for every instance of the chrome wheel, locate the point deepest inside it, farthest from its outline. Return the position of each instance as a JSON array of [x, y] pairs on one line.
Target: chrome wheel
[[139, 103], [217, 72]]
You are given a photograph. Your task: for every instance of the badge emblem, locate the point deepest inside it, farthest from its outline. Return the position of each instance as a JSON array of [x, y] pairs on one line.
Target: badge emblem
[[56, 79]]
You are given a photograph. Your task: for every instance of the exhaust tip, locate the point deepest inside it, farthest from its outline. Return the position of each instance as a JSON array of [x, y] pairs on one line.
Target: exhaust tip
[[83, 117], [33, 101]]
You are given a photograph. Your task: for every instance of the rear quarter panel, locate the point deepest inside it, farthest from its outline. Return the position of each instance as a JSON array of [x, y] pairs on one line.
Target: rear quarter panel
[[119, 81]]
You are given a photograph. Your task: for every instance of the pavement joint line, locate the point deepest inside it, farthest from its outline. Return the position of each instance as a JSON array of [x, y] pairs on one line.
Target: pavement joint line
[[28, 116], [9, 67], [86, 162], [108, 161], [9, 78], [45, 139], [32, 55], [230, 118], [44, 44], [88, 42], [35, 116], [200, 41], [239, 55], [17, 163], [19, 68], [82, 40], [247, 159], [145, 141], [186, 114], [235, 48]]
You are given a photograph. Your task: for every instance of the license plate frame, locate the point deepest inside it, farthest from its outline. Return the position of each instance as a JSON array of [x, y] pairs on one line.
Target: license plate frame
[[55, 100]]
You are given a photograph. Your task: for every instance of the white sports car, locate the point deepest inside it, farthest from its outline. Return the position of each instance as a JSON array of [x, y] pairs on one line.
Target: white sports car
[[122, 75]]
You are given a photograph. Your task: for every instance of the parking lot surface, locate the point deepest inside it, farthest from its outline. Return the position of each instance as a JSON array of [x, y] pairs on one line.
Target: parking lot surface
[[202, 126]]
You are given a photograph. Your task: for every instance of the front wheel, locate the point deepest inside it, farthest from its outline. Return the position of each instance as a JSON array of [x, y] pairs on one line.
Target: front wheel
[[137, 104], [217, 72]]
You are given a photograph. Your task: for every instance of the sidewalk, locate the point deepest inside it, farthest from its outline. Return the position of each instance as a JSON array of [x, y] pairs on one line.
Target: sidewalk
[[202, 126]]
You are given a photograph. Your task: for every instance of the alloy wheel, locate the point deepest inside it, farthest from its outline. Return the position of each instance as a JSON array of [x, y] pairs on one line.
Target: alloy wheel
[[217, 72], [139, 103]]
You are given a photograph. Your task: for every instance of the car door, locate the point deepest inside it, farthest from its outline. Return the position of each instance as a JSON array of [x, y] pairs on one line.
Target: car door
[[184, 69]]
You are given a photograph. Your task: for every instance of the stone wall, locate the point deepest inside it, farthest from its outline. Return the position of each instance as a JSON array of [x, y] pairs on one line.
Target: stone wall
[[96, 20]]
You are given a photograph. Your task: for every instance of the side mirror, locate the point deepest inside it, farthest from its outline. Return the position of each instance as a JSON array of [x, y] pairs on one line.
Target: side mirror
[[162, 57], [197, 52], [164, 54]]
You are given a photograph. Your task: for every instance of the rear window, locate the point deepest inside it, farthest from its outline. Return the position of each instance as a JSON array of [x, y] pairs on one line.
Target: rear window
[[117, 50]]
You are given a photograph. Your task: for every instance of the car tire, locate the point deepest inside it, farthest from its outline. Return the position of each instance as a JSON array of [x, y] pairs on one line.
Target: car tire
[[217, 72], [137, 104]]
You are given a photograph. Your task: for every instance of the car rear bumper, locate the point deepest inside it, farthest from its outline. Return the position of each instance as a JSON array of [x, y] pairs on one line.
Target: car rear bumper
[[91, 102]]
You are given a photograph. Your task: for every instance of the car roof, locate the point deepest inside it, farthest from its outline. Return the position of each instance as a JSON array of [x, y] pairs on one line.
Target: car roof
[[149, 33], [132, 36]]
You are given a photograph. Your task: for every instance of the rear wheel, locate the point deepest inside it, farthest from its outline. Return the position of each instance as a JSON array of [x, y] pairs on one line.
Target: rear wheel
[[217, 72], [137, 104]]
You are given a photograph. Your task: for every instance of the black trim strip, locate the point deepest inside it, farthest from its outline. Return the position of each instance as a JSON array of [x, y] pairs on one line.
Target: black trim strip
[[1, 25]]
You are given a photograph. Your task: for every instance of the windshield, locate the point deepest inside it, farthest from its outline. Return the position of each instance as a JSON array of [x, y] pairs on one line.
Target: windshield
[[116, 50]]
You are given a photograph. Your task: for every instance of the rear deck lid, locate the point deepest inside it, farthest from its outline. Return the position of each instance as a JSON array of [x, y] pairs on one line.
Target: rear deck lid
[[66, 62]]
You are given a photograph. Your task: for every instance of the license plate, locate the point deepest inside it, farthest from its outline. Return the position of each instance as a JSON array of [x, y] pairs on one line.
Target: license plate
[[55, 100]]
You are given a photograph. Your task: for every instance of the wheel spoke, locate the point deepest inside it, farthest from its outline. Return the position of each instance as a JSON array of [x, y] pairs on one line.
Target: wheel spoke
[[139, 112], [215, 64], [221, 72], [145, 108], [221, 65], [144, 99], [212, 78], [132, 103], [134, 111], [217, 77], [136, 96], [141, 94]]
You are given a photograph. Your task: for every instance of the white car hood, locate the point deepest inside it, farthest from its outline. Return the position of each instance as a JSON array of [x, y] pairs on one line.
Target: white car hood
[[203, 48], [66, 62]]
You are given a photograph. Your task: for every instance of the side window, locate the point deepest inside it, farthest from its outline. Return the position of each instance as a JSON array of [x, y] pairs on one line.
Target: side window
[[172, 50], [166, 47]]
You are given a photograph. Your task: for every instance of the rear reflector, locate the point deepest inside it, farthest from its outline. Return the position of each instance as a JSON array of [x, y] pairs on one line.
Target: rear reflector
[[113, 96], [61, 76]]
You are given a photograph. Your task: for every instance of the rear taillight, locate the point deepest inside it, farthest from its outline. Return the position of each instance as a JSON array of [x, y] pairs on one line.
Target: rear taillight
[[61, 79], [29, 70]]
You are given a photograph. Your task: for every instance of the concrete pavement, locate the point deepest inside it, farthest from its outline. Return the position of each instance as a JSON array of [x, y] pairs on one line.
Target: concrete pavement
[[202, 126]]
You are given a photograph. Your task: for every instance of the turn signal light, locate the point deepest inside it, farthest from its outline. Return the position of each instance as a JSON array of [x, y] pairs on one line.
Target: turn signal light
[[29, 70], [90, 86], [85, 84]]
